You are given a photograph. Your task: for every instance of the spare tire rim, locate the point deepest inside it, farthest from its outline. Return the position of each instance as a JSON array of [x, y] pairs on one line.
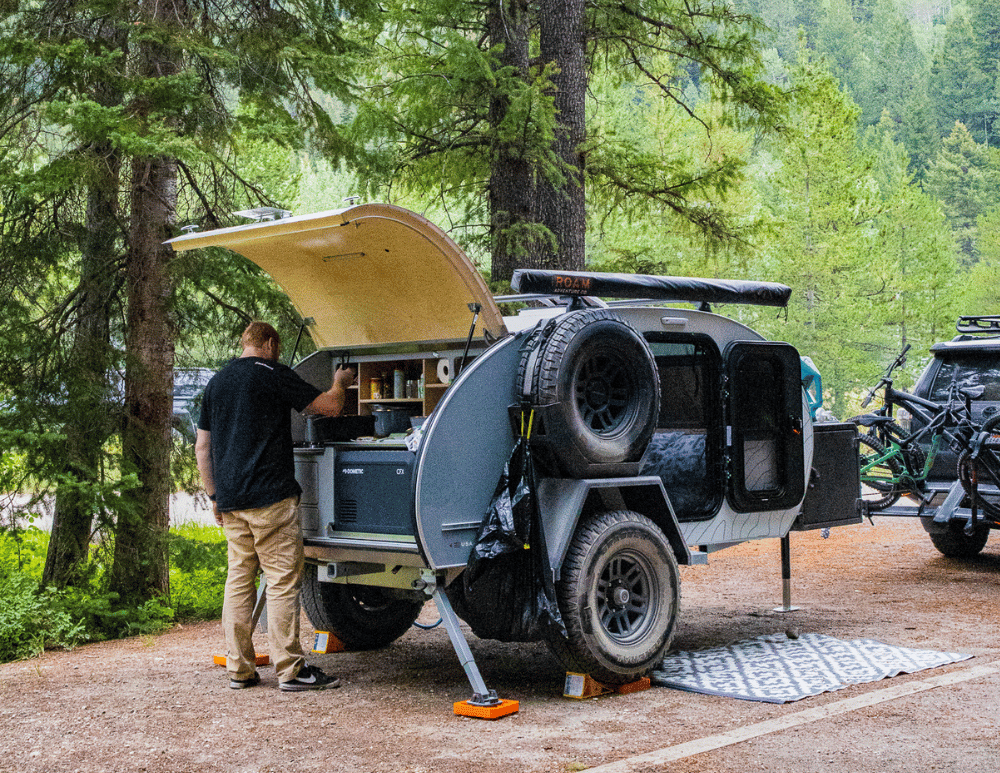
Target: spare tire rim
[[626, 599], [603, 388]]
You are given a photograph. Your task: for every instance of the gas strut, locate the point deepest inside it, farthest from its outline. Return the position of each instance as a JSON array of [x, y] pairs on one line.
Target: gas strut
[[305, 321], [475, 308]]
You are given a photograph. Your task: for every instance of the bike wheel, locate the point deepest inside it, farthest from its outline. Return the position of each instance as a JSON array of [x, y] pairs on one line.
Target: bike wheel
[[879, 474], [987, 468], [913, 455]]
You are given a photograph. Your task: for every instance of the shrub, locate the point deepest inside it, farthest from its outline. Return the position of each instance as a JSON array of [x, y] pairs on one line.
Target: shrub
[[32, 619], [102, 618]]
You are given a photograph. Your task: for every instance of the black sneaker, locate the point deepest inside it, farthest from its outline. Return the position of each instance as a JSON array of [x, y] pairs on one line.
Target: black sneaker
[[239, 684], [310, 678]]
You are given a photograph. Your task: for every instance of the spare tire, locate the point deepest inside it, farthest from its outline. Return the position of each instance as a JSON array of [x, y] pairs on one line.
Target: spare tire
[[596, 379]]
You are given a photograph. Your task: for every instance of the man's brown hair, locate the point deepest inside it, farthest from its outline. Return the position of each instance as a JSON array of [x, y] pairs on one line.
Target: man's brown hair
[[257, 334]]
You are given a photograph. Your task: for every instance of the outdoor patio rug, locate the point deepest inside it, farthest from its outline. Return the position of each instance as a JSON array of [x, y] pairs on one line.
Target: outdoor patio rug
[[777, 669]]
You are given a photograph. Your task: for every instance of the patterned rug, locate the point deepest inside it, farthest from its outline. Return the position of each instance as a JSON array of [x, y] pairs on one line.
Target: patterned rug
[[776, 669]]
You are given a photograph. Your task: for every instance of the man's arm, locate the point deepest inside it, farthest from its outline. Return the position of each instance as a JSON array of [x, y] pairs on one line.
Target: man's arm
[[331, 402], [203, 453]]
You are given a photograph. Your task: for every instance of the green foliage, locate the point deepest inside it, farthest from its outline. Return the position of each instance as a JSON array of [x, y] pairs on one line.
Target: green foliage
[[964, 177], [103, 617], [197, 571], [446, 112], [821, 193], [22, 550], [961, 90], [33, 618]]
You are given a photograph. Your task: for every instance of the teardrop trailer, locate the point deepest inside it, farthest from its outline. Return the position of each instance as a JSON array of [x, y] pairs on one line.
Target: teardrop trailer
[[659, 433]]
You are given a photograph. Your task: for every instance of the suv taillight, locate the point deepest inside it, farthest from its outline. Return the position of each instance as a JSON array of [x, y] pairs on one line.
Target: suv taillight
[[903, 419]]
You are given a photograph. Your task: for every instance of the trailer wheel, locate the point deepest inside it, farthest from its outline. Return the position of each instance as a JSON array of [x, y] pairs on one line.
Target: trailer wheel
[[363, 617], [599, 375], [951, 540], [619, 596]]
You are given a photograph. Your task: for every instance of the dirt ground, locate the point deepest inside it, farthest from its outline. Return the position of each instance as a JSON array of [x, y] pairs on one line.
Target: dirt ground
[[159, 704]]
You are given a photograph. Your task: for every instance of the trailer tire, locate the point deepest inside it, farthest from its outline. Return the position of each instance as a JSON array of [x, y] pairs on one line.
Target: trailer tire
[[598, 377], [619, 596], [951, 540], [362, 617]]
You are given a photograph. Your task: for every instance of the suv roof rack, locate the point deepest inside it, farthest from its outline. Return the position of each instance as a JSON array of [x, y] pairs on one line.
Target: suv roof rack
[[979, 324]]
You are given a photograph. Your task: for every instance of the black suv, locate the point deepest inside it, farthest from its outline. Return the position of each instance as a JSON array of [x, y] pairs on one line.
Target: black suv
[[973, 358]]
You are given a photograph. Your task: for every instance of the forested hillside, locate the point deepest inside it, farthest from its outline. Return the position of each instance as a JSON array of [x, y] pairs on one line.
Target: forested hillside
[[877, 200]]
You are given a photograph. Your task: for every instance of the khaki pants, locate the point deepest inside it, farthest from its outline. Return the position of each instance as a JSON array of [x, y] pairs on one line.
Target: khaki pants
[[267, 538]]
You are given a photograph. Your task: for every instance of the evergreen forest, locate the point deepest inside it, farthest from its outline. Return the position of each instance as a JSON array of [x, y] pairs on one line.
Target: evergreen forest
[[847, 148]]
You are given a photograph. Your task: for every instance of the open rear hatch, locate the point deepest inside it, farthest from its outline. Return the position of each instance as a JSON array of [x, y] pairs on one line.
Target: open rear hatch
[[370, 274]]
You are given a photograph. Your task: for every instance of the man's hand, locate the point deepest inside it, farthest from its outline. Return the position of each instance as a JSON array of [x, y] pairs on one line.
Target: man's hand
[[217, 513], [345, 376], [331, 402]]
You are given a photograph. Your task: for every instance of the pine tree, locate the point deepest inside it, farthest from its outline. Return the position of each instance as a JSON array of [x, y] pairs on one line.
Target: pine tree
[[130, 111], [963, 176], [959, 88], [439, 79], [825, 204]]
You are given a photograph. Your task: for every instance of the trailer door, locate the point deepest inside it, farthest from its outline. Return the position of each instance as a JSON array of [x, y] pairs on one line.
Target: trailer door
[[764, 426]]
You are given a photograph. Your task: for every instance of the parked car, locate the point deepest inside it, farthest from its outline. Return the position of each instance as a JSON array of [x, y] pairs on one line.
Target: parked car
[[973, 359], [189, 386], [659, 432]]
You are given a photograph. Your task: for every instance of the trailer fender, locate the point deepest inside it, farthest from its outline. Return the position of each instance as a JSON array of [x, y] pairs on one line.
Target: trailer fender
[[561, 502]]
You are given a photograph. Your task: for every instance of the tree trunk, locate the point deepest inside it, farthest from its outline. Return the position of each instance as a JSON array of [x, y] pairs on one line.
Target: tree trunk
[[563, 208], [89, 392], [140, 568], [515, 239]]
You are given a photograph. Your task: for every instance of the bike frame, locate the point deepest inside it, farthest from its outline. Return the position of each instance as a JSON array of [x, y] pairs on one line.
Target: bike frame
[[937, 418]]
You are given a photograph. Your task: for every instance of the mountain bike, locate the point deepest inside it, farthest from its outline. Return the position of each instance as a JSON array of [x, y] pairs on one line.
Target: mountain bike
[[893, 463]]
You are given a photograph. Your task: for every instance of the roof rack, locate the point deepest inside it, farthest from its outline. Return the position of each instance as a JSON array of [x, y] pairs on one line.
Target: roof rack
[[979, 324]]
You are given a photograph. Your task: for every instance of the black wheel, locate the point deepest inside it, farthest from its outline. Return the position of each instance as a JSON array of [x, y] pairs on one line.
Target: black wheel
[[619, 596], [885, 434], [987, 468], [878, 478], [951, 540], [599, 377], [363, 617]]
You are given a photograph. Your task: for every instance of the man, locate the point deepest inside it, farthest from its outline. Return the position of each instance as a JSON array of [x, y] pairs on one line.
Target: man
[[244, 452]]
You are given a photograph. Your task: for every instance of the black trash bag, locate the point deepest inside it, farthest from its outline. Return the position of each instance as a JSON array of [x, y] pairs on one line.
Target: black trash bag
[[507, 591]]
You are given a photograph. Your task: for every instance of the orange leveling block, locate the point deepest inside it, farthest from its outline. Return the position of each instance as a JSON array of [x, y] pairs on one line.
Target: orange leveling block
[[484, 703], [325, 643], [262, 660]]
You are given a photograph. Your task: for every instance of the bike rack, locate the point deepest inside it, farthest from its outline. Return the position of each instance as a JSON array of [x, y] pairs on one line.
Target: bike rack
[[946, 512]]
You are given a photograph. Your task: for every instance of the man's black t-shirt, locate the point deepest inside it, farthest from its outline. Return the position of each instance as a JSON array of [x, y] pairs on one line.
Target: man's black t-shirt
[[247, 409]]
